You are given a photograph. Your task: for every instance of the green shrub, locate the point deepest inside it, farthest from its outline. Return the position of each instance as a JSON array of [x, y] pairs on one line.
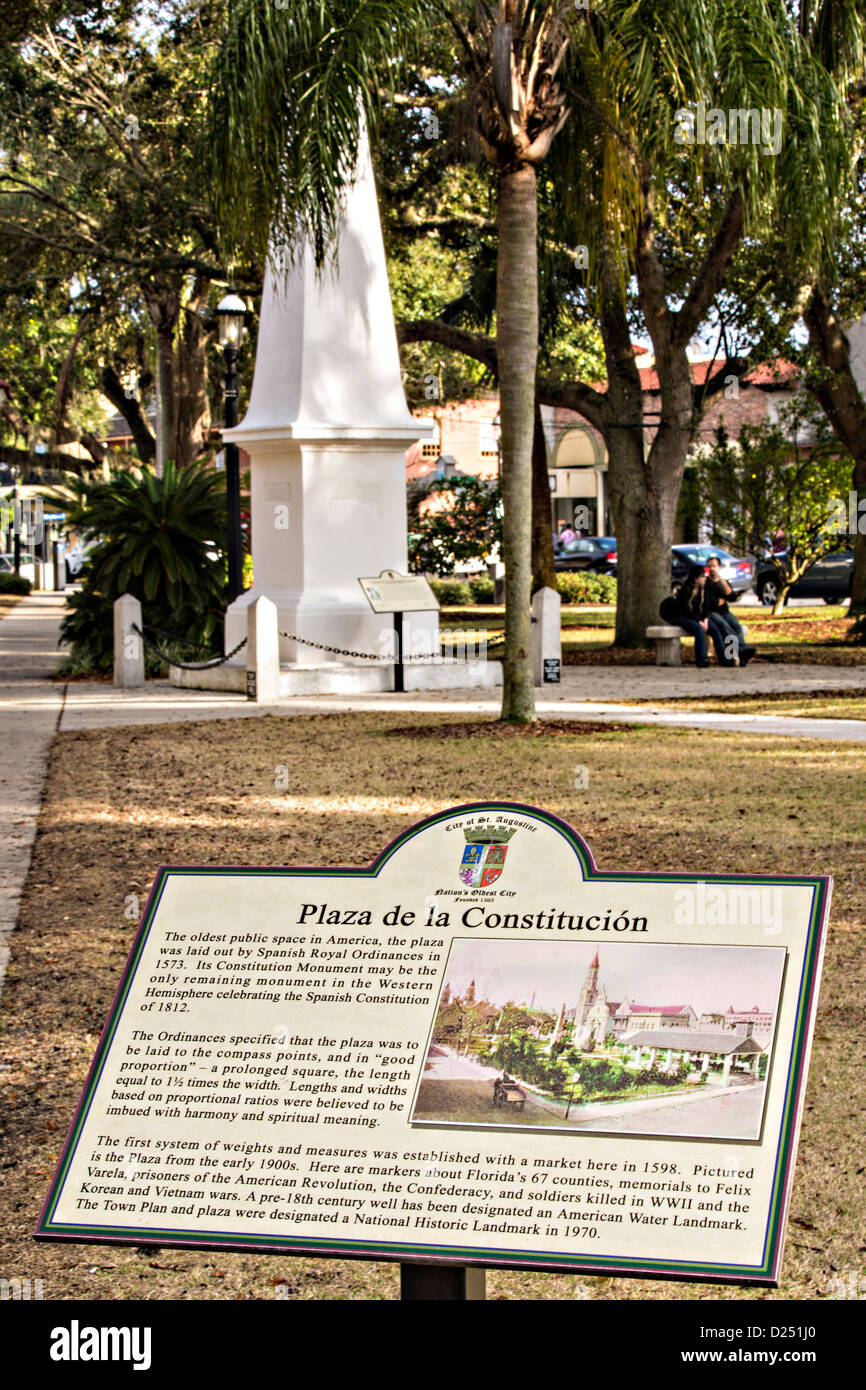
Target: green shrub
[[482, 589], [156, 542], [582, 586], [453, 592], [14, 584]]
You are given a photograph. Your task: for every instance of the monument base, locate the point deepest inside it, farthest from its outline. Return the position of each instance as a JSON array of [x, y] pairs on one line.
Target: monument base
[[340, 620], [331, 678]]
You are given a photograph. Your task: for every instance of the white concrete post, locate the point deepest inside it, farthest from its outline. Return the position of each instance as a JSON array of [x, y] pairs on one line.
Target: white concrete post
[[128, 646], [546, 637], [263, 652]]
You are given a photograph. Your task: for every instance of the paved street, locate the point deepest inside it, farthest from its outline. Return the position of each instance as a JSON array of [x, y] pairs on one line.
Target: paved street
[[443, 1064], [734, 1114]]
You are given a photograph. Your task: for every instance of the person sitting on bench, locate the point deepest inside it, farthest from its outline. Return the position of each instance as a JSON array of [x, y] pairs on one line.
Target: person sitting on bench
[[693, 617], [718, 592]]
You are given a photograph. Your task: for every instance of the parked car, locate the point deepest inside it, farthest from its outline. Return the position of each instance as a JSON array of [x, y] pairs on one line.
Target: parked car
[[75, 557], [7, 564], [738, 572], [829, 579], [596, 553]]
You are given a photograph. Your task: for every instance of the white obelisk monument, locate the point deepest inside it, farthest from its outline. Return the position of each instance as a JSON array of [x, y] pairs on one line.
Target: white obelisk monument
[[326, 430]]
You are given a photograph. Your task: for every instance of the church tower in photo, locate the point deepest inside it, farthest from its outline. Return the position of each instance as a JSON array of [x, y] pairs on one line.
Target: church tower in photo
[[588, 997]]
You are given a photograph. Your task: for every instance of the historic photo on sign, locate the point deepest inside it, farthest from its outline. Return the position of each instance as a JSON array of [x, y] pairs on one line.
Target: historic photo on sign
[[664, 1040]]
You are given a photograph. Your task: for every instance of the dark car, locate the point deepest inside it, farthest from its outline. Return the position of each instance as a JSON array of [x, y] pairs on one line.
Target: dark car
[[596, 553], [738, 572], [829, 579]]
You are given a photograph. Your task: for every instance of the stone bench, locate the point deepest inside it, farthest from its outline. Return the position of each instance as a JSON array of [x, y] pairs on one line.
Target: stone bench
[[667, 642]]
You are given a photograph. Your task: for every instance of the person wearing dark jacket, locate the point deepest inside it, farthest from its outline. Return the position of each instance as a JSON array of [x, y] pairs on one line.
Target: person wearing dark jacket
[[718, 591], [693, 617]]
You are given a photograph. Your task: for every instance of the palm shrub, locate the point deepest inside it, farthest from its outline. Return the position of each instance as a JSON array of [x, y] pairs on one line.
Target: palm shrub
[[157, 540]]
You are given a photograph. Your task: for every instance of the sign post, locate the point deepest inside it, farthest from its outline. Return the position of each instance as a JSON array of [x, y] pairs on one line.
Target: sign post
[[429, 1282], [376, 1063], [390, 592]]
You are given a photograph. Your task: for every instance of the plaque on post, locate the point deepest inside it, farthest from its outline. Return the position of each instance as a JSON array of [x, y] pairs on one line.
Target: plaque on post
[[391, 592]]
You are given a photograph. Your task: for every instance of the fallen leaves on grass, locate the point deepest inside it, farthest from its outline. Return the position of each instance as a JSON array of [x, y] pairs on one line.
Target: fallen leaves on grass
[[497, 728]]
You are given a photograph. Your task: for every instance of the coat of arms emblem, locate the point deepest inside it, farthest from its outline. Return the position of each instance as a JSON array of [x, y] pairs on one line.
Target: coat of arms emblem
[[484, 855]]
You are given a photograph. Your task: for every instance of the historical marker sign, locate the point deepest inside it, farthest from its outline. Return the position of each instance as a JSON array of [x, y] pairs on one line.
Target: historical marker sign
[[480, 1049], [552, 670], [391, 592]]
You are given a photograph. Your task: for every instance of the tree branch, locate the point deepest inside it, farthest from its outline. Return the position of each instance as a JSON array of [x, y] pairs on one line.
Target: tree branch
[[574, 395], [475, 345], [131, 412], [711, 275]]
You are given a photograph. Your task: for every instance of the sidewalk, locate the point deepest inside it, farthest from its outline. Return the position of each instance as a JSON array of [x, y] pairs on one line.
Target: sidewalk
[[29, 714], [585, 693]]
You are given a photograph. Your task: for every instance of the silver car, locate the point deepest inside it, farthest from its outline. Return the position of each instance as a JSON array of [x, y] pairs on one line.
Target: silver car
[[738, 572]]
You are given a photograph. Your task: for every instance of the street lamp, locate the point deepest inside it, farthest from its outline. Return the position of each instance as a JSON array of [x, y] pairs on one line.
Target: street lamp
[[230, 318], [574, 1081], [5, 398]]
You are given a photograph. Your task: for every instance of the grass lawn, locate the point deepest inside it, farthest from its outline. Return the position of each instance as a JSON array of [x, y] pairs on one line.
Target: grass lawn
[[819, 704], [119, 803], [799, 634]]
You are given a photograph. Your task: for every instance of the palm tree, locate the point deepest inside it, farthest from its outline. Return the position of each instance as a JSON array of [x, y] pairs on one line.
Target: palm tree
[[292, 90]]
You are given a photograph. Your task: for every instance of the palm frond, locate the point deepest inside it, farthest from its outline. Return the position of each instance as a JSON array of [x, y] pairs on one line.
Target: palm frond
[[291, 90]]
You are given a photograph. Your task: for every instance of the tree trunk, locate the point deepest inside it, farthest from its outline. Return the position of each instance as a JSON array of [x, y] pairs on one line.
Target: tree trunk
[[843, 403], [164, 393], [163, 305], [858, 579], [543, 568], [517, 349], [781, 599], [633, 507], [642, 554], [191, 415]]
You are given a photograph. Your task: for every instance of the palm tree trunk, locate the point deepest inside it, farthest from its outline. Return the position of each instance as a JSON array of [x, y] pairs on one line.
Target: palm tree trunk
[[517, 350]]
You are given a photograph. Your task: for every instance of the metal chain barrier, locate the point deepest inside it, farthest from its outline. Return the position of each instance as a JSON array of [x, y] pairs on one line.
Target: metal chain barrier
[[186, 665], [362, 656], [490, 638], [339, 651]]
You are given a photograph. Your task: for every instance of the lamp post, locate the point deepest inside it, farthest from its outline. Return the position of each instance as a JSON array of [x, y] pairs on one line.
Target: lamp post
[[230, 317], [574, 1081], [16, 512]]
